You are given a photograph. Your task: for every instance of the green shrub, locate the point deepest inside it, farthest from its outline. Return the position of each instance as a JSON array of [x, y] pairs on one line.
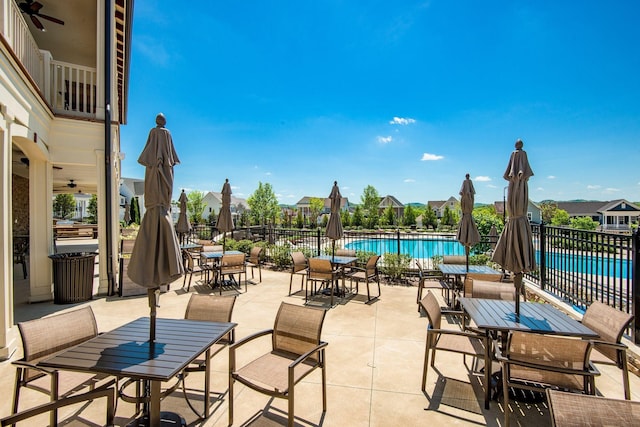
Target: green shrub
[[244, 246], [281, 256], [395, 266]]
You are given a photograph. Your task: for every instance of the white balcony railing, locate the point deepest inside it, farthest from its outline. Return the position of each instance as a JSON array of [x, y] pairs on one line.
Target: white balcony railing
[[69, 89]]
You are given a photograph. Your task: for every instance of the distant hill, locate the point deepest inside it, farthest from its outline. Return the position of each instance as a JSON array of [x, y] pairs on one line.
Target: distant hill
[[415, 205]]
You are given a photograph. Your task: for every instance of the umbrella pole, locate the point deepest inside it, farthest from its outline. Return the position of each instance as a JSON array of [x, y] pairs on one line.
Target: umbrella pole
[[466, 251], [333, 252], [153, 294], [517, 282]]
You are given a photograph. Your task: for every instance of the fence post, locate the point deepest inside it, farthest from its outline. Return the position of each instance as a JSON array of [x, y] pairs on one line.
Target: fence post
[[635, 285], [398, 240], [543, 256], [318, 242]]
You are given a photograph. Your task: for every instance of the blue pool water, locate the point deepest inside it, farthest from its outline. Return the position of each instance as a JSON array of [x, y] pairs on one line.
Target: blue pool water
[[584, 264], [414, 248]]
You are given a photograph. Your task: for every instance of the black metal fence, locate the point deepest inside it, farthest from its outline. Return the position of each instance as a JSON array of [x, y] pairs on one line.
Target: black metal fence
[[576, 266]]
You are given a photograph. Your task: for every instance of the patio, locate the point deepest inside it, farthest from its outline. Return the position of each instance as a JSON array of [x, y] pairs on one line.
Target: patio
[[374, 365]]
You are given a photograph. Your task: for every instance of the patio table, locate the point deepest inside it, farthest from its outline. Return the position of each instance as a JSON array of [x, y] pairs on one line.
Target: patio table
[[499, 316], [127, 352], [342, 262], [215, 258]]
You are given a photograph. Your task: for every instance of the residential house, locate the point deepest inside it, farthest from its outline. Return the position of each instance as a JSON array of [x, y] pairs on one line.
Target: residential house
[[64, 98], [439, 205], [616, 215], [386, 201], [213, 203], [304, 205]]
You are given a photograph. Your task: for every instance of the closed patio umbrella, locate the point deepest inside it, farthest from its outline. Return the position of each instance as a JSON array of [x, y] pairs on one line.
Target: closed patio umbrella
[[334, 226], [225, 222], [156, 258], [468, 234], [183, 226], [514, 250], [493, 237]]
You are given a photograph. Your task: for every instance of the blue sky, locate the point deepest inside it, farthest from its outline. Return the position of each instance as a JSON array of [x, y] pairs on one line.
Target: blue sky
[[406, 96]]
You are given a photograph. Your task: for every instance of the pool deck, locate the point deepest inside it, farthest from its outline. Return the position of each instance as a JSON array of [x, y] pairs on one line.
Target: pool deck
[[374, 365]]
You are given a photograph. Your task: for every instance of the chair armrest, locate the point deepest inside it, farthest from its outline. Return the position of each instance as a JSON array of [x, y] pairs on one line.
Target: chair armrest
[[305, 356], [248, 338], [593, 371], [28, 365], [616, 345], [461, 333]]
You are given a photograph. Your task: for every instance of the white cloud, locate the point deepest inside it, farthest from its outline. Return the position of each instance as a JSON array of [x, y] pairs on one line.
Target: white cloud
[[594, 187], [401, 121], [612, 190], [551, 177], [428, 157], [409, 180], [482, 178], [384, 139], [492, 186], [268, 173], [539, 189]]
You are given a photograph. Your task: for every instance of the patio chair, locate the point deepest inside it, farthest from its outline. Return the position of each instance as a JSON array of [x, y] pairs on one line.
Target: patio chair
[[533, 361], [209, 308], [345, 252], [255, 261], [438, 339], [42, 338], [191, 267], [296, 351], [428, 279], [108, 393], [231, 264], [367, 274], [578, 410], [298, 266], [321, 271], [609, 323], [488, 290]]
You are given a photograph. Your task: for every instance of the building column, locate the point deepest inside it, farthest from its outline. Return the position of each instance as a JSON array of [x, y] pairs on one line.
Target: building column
[[7, 341], [40, 230]]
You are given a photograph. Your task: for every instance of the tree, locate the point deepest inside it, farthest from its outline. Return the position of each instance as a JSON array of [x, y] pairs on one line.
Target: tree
[[560, 217], [358, 217], [316, 204], [135, 211], [346, 218], [370, 204], [389, 216], [429, 218], [195, 206], [92, 210], [299, 219], [548, 210], [583, 223], [448, 217], [409, 218], [263, 204], [64, 205]]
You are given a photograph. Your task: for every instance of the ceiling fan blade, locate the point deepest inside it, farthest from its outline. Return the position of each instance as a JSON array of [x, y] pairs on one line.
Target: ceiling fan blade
[[37, 23], [35, 6], [51, 18]]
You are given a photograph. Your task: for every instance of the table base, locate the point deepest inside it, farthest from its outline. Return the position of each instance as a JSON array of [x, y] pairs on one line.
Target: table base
[[167, 419]]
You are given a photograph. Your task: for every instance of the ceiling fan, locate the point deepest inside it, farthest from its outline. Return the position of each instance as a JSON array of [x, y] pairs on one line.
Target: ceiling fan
[[32, 8]]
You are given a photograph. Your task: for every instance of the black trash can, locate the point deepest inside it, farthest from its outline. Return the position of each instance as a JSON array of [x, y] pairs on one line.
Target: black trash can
[[73, 277]]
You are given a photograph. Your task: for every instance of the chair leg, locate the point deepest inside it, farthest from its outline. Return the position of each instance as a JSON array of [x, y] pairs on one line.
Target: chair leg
[[324, 380], [625, 374], [16, 393], [505, 394], [425, 367]]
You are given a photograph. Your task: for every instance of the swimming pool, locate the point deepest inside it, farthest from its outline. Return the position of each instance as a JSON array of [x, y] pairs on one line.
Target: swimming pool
[[426, 248], [413, 247]]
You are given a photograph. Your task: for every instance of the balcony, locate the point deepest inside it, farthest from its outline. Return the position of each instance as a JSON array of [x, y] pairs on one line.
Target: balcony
[[69, 89]]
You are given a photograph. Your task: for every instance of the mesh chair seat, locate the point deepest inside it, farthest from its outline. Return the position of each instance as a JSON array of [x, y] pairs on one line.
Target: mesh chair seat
[[271, 371]]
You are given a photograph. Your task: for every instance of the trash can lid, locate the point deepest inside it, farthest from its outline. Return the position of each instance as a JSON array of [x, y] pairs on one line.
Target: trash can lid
[[72, 255]]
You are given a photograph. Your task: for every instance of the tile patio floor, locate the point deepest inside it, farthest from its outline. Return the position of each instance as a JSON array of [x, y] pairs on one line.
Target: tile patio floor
[[374, 366]]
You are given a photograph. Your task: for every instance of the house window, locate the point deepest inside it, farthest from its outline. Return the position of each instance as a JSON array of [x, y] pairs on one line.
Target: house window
[[529, 216]]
